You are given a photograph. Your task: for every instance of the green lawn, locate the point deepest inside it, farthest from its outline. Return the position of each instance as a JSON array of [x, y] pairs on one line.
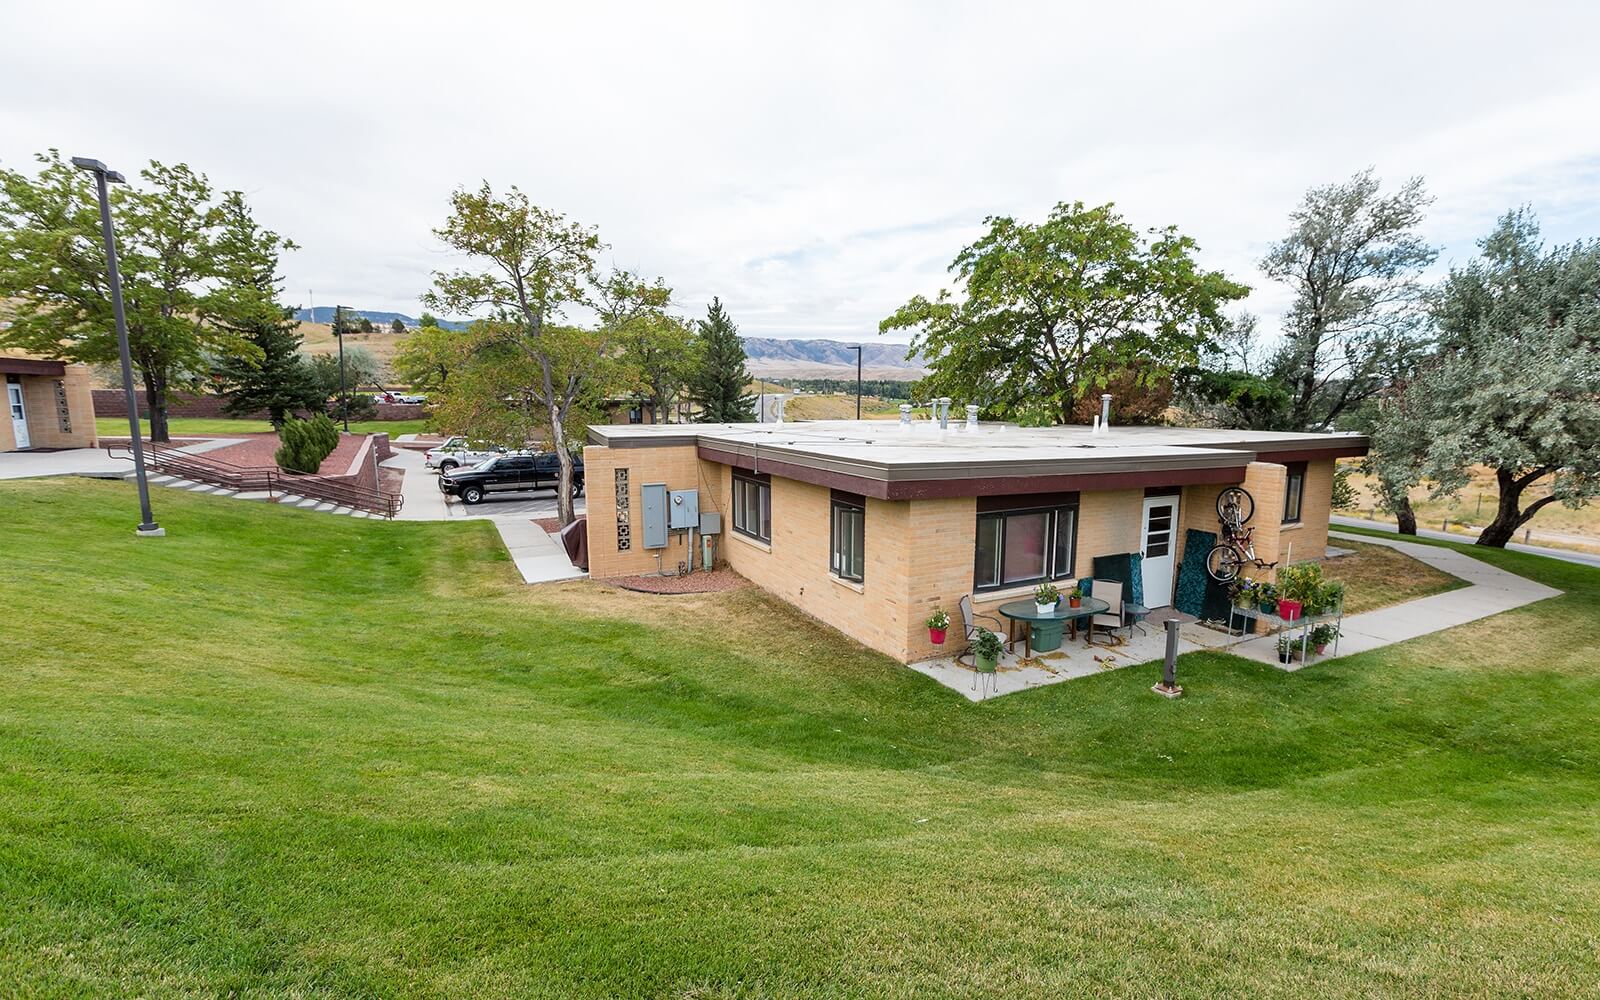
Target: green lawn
[[118, 426], [285, 754]]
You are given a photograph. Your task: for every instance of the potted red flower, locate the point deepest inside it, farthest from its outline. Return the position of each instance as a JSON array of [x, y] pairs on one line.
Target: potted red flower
[[938, 625]]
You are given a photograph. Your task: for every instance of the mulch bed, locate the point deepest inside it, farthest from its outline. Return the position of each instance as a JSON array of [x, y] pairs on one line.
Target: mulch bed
[[695, 583], [551, 525], [256, 451]]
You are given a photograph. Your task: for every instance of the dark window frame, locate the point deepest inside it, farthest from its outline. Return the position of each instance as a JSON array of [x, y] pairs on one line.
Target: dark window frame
[[1294, 489], [1053, 572], [846, 503], [741, 517]]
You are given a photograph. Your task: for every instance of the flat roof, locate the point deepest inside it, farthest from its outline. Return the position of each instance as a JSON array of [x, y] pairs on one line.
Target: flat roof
[[888, 459]]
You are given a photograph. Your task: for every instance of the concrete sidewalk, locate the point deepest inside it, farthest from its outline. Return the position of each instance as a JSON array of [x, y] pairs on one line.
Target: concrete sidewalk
[[1490, 591], [91, 462], [1565, 555], [538, 555]]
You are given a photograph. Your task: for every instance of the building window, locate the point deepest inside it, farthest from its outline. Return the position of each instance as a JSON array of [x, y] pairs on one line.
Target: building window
[[635, 414], [752, 505], [1294, 491], [849, 532], [1021, 546]]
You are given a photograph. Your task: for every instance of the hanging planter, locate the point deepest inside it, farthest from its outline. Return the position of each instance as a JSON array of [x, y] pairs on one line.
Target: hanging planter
[[938, 626]]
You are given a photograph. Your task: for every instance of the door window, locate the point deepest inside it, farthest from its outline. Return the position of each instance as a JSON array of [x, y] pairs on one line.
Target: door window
[[1158, 532]]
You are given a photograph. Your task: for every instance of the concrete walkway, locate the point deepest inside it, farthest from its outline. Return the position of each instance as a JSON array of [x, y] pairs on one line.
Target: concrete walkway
[[538, 555], [92, 462], [1565, 555], [1490, 591]]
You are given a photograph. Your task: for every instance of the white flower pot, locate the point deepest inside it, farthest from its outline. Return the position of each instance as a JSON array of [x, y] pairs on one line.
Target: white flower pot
[[1044, 609]]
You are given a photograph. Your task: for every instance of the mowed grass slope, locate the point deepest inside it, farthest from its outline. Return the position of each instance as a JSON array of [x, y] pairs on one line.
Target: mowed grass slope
[[278, 753]]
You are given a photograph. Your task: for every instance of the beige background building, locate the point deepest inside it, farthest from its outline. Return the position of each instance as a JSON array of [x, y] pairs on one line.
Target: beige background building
[[48, 404]]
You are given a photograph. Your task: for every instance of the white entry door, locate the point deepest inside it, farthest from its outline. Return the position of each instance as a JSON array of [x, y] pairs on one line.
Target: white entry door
[[1159, 546], [19, 416]]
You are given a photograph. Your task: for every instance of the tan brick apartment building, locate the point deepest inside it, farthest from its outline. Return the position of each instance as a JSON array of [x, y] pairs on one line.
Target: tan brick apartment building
[[48, 404], [871, 525]]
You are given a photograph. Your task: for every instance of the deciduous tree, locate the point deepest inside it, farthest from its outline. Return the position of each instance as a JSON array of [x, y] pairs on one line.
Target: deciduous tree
[[1353, 257], [179, 265], [1046, 314], [1515, 384], [530, 265]]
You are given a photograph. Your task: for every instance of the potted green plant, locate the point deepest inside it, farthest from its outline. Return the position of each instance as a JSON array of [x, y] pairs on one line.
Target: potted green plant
[[1323, 634], [1242, 591], [1266, 597], [1075, 597], [986, 651], [1288, 648], [1045, 598], [938, 625], [1299, 589], [1332, 596]]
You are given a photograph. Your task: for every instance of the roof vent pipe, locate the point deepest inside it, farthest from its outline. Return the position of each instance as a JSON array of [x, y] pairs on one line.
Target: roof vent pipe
[[972, 416], [905, 414], [1105, 411], [944, 412]]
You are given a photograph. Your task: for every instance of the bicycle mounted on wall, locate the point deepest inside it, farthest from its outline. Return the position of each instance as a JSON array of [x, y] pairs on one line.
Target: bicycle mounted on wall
[[1235, 506]]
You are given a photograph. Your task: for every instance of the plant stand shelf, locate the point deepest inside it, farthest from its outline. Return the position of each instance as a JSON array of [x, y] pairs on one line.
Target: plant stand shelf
[[1277, 627]]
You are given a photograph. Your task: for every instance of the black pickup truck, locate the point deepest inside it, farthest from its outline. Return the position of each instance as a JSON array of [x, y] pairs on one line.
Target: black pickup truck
[[508, 474]]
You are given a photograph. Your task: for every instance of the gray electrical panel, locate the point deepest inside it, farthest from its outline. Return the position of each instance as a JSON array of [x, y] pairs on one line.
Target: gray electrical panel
[[684, 506], [653, 500], [711, 523]]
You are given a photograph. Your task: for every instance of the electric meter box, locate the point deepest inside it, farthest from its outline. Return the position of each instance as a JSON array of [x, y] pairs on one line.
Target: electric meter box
[[683, 509], [653, 520]]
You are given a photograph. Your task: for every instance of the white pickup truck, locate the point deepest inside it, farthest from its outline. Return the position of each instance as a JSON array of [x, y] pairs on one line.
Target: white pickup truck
[[458, 451]]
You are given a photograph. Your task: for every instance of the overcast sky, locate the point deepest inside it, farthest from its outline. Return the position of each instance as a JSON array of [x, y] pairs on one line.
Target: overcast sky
[[813, 164]]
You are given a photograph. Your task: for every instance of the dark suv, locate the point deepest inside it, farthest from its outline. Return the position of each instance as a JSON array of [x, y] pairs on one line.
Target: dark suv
[[508, 474]]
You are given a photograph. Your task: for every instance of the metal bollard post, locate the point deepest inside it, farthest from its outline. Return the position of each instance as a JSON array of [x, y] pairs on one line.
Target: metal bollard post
[[1168, 688]]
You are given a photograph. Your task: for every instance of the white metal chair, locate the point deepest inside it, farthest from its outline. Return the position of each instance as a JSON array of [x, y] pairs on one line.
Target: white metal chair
[[1111, 619]]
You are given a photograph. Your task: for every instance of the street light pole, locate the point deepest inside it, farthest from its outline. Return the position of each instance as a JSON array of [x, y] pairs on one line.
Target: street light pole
[[148, 527], [338, 333], [858, 381]]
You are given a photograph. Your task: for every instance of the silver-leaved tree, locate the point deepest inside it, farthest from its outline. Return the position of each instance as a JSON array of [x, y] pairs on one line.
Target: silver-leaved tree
[[1515, 384]]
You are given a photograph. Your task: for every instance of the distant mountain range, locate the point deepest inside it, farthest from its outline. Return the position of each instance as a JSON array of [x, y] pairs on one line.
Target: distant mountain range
[[324, 314], [778, 358], [773, 357]]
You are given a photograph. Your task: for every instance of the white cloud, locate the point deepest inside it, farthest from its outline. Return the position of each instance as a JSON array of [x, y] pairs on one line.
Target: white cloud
[[814, 165]]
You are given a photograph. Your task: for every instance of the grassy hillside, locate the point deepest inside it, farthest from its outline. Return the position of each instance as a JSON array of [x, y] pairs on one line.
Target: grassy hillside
[[285, 754]]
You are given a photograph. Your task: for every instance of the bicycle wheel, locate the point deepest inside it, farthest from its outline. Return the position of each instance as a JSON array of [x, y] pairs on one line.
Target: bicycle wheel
[[1235, 506], [1222, 563]]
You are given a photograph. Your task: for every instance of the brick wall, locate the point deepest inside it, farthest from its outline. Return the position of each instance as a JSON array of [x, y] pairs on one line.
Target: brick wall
[[677, 466], [1309, 538], [110, 403]]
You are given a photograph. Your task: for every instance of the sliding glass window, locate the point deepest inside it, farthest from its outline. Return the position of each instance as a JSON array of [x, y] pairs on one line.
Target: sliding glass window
[[848, 551], [752, 505], [1025, 545]]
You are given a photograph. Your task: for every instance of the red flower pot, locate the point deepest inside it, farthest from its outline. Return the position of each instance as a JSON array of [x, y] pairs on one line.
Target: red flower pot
[[937, 635], [1074, 602], [1288, 610]]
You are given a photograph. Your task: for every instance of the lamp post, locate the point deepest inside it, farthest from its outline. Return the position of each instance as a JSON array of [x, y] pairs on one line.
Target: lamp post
[[338, 333], [148, 528], [858, 381]]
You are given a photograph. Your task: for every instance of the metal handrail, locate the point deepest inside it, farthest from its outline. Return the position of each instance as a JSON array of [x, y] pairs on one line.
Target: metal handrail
[[216, 472]]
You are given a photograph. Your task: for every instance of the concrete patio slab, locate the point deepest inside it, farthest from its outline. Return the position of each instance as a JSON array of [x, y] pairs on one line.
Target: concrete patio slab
[[538, 556], [1490, 591]]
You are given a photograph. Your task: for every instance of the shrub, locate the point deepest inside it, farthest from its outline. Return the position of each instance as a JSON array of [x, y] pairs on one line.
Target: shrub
[[305, 443]]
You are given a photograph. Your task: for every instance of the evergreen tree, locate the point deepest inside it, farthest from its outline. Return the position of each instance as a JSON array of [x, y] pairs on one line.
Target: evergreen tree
[[280, 382], [721, 378]]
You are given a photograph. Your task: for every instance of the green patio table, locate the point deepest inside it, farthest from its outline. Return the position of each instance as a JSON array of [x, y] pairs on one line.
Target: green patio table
[[1044, 631]]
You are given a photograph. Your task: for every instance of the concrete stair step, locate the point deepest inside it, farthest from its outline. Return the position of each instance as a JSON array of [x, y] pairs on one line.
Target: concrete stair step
[[253, 495]]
